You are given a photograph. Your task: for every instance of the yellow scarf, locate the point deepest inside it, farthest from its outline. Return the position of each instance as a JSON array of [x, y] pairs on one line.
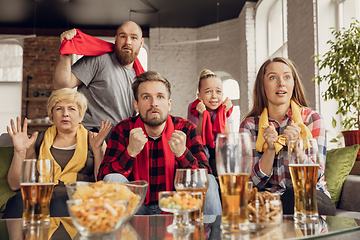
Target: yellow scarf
[[76, 163], [67, 223], [261, 144]]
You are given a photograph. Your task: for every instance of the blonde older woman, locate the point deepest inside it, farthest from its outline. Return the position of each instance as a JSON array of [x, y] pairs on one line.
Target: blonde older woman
[[77, 152]]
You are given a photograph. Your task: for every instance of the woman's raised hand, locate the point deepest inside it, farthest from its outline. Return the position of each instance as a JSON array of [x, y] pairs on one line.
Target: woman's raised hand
[[96, 140], [271, 136], [19, 136], [292, 132]]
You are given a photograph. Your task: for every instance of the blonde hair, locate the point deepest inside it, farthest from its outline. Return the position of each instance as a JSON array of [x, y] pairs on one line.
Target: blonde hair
[[66, 95], [205, 74]]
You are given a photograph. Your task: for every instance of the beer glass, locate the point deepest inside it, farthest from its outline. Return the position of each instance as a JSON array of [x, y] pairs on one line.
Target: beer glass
[[306, 229], [36, 232], [304, 167], [37, 184], [233, 163], [193, 180]]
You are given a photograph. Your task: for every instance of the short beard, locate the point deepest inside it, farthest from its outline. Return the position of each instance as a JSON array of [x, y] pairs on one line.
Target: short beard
[[125, 58], [153, 122]]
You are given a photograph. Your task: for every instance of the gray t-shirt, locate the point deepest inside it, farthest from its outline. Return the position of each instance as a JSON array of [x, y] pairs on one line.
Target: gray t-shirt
[[107, 86]]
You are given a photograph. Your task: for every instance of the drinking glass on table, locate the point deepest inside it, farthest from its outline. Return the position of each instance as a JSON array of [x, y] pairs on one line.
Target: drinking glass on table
[[233, 163], [304, 168], [37, 184], [193, 180], [180, 204], [302, 229]]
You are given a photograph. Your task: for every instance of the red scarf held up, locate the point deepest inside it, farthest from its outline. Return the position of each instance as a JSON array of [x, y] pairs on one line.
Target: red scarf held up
[[83, 44], [208, 129], [141, 164]]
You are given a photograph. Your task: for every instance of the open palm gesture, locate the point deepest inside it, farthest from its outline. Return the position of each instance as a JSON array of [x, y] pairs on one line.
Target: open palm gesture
[[19, 136], [96, 140]]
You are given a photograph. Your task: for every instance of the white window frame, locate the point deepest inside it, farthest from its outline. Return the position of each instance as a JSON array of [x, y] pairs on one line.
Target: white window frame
[[282, 50]]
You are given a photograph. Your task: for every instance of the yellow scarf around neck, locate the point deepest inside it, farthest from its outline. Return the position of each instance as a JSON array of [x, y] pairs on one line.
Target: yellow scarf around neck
[[261, 144], [76, 163]]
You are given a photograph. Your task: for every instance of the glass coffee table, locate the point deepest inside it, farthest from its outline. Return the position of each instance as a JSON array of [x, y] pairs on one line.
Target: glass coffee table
[[154, 227]]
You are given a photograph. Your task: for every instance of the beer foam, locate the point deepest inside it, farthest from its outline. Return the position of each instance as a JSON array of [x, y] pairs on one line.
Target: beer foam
[[303, 165], [36, 184]]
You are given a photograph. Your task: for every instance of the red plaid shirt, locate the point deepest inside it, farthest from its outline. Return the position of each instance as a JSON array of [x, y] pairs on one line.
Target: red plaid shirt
[[118, 160]]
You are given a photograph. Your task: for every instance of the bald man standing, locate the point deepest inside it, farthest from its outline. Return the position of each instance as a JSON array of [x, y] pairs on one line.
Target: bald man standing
[[105, 80]]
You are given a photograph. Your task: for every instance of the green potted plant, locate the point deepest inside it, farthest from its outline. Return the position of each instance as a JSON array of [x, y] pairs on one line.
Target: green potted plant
[[343, 78]]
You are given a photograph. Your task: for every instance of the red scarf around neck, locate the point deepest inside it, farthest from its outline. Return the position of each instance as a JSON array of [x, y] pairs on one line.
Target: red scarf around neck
[[141, 164], [208, 129], [83, 44]]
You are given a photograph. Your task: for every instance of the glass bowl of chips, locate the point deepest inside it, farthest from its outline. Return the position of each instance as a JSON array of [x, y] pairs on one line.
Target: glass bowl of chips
[[134, 191], [97, 217]]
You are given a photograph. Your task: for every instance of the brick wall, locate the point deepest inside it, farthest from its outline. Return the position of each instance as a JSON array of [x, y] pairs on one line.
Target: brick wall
[[181, 64], [219, 56], [177, 63], [40, 56], [247, 57]]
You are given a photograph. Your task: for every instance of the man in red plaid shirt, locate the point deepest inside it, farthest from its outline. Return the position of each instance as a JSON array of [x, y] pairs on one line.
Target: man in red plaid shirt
[[153, 144]]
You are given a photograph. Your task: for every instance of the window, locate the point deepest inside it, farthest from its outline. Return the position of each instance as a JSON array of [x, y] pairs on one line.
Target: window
[[347, 9], [11, 63], [231, 90], [277, 29], [143, 58], [11, 59], [270, 30]]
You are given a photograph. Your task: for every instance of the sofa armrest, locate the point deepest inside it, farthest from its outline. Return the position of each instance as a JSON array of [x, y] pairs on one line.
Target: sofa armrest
[[350, 195], [5, 140]]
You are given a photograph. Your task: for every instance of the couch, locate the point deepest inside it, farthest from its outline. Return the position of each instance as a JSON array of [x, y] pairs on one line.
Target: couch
[[6, 153], [344, 188]]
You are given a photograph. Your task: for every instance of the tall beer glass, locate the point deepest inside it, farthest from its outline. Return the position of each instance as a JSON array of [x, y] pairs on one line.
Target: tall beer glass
[[37, 184], [36, 232], [233, 163], [193, 180], [304, 168]]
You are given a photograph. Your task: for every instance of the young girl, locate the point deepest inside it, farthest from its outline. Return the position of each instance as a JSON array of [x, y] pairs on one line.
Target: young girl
[[280, 108], [209, 112]]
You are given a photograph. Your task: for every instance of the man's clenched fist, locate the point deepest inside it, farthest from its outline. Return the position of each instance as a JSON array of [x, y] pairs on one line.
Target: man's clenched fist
[[137, 141]]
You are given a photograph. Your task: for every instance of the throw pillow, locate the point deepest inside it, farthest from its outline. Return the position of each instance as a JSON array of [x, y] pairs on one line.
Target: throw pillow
[[6, 154], [339, 163], [339, 223]]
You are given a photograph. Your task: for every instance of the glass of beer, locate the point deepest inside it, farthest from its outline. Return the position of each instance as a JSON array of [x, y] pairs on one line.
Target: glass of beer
[[193, 180], [304, 167], [306, 229], [36, 232], [37, 184], [233, 163]]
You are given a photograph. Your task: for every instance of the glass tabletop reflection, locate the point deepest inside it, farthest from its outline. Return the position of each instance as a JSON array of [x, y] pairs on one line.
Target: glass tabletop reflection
[[154, 227]]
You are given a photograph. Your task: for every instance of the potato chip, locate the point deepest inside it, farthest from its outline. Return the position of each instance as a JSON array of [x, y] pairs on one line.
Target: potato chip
[[109, 190], [98, 215]]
